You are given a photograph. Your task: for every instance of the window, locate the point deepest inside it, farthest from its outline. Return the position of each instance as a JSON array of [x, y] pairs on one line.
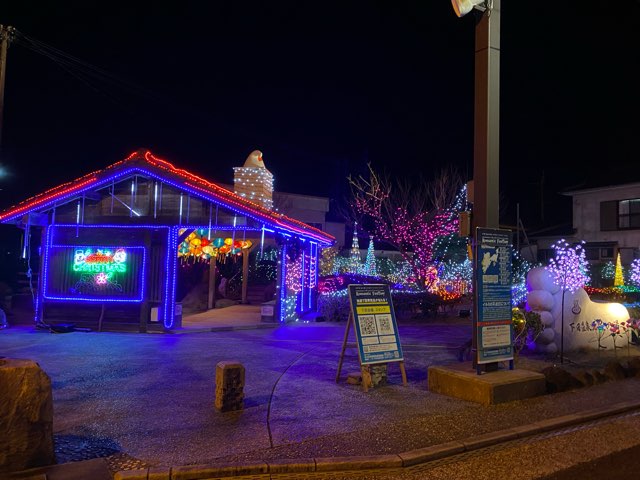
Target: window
[[606, 253], [591, 254], [629, 214], [620, 215]]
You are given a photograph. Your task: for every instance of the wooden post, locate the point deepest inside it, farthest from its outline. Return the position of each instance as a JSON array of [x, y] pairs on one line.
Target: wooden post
[[211, 302], [344, 346], [44, 249], [245, 275], [144, 306]]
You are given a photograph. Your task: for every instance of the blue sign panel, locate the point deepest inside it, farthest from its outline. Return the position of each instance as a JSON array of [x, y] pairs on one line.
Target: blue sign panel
[[494, 329], [375, 324]]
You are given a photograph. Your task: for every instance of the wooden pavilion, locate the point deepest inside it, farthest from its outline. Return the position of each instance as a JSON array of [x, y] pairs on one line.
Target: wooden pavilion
[[110, 242]]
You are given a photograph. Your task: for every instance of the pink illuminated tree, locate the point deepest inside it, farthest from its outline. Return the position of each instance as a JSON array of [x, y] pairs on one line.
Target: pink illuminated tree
[[569, 270], [410, 216]]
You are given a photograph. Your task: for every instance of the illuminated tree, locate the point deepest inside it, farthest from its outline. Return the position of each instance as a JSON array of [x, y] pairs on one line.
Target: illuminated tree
[[410, 217], [608, 271], [618, 279], [635, 272], [328, 261], [369, 267], [355, 264], [569, 271]]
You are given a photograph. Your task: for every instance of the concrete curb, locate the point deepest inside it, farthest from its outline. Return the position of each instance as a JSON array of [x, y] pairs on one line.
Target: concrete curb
[[226, 328], [401, 460]]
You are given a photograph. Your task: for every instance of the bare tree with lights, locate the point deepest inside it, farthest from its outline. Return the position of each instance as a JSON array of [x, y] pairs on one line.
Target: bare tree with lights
[[569, 270], [410, 216]]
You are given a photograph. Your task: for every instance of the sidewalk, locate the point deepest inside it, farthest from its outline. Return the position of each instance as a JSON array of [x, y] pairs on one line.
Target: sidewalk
[[151, 396]]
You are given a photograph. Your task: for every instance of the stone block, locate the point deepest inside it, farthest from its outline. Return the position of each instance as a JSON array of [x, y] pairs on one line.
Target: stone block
[[230, 377], [378, 374], [462, 381], [26, 416]]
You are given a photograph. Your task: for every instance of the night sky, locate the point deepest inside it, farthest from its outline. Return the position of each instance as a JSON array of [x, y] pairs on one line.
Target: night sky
[[322, 88]]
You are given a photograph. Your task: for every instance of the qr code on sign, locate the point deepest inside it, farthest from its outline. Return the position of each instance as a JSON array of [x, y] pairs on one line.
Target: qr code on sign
[[367, 325], [385, 326]]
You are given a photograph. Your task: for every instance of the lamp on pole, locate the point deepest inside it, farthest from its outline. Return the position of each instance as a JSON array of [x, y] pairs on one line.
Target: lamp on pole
[[486, 151]]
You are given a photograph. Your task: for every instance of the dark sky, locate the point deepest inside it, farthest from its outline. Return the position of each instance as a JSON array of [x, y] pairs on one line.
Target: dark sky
[[322, 88]]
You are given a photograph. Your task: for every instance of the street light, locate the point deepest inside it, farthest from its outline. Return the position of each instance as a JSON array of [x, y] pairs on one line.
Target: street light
[[462, 7]]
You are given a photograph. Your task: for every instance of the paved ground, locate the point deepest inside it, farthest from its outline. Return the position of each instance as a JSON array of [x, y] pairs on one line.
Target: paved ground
[[148, 399], [234, 316]]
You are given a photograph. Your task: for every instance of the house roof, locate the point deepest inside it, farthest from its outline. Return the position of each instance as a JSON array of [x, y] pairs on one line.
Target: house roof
[[580, 191], [145, 163]]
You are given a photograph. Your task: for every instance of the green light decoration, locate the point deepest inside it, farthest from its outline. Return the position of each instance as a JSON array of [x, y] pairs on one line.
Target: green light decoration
[[100, 261]]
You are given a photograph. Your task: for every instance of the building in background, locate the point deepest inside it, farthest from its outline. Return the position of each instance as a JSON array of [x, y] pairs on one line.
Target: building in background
[[606, 218]]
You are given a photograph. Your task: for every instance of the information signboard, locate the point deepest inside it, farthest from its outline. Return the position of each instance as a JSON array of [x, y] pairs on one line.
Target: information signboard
[[375, 324], [494, 329]]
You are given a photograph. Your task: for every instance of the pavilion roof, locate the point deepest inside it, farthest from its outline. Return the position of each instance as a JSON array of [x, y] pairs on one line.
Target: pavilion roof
[[145, 163]]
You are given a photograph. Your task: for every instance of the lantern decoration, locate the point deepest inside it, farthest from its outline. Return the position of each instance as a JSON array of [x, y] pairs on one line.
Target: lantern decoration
[[198, 247]]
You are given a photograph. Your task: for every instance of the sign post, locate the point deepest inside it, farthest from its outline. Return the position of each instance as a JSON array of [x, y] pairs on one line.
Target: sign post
[[493, 326], [376, 330]]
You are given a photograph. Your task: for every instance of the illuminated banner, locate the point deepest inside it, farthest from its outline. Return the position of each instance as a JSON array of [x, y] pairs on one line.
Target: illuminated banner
[[94, 273]]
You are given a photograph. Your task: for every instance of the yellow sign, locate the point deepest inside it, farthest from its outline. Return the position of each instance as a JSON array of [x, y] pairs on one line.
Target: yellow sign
[[372, 309]]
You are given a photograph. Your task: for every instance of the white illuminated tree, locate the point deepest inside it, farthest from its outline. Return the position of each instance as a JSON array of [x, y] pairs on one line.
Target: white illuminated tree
[[569, 270], [356, 261]]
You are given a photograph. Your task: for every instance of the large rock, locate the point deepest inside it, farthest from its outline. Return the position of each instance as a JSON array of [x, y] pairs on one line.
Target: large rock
[[26, 416], [614, 371], [559, 380]]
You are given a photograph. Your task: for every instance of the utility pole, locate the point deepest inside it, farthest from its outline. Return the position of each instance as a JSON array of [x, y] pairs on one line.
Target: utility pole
[[6, 33], [487, 119]]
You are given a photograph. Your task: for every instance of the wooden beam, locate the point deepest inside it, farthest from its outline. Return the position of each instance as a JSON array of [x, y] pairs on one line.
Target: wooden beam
[[211, 301]]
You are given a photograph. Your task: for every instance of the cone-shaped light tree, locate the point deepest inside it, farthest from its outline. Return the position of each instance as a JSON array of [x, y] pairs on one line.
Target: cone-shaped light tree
[[618, 279]]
